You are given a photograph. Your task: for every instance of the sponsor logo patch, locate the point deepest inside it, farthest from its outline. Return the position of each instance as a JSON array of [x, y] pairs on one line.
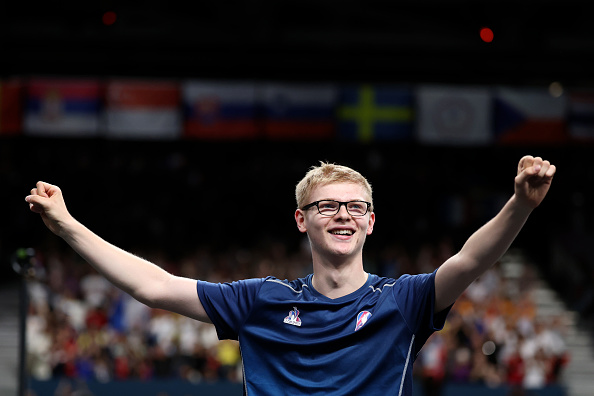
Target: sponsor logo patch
[[293, 318], [362, 318]]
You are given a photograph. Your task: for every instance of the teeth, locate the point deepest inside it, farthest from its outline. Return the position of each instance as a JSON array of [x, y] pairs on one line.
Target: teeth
[[342, 232]]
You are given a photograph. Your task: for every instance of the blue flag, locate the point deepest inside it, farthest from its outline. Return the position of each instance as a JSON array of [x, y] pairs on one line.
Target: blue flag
[[368, 113]]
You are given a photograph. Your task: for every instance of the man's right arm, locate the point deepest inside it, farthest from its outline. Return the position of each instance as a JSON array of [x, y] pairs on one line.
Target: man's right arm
[[143, 280]]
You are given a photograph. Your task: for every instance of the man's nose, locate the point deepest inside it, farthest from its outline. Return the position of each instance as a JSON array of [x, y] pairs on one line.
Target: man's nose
[[342, 211]]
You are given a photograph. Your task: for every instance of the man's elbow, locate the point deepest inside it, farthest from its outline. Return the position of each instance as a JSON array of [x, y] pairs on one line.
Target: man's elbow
[[150, 296]]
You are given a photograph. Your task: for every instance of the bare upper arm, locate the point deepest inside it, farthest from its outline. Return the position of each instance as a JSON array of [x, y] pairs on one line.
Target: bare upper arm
[[179, 295], [451, 279]]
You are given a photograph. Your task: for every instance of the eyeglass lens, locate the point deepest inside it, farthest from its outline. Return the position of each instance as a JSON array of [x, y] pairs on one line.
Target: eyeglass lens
[[329, 208]]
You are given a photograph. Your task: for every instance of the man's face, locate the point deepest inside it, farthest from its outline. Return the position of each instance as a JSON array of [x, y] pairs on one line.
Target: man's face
[[340, 235]]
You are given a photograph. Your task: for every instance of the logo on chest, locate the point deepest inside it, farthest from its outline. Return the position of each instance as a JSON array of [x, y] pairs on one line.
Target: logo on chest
[[362, 318], [293, 318]]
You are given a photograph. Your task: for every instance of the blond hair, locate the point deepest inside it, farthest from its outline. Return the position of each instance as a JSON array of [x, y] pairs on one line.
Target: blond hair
[[328, 173]]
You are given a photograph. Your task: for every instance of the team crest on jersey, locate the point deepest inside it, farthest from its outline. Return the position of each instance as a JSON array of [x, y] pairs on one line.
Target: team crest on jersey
[[293, 318], [362, 318]]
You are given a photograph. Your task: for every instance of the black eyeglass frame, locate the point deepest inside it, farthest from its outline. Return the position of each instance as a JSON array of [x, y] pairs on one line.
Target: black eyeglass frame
[[317, 205]]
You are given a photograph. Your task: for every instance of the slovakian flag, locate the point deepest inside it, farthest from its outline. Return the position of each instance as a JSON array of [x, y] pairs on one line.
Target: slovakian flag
[[452, 115], [220, 110], [581, 115], [367, 113], [292, 111], [62, 107], [529, 116], [143, 109], [11, 106]]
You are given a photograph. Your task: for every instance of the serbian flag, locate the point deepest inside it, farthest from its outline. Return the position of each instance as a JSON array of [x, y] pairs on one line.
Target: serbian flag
[[292, 111], [143, 109], [62, 107], [529, 116], [367, 113], [581, 116], [11, 106], [220, 110], [452, 115]]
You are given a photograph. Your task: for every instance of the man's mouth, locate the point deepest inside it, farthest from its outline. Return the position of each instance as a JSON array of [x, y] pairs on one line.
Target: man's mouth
[[342, 232]]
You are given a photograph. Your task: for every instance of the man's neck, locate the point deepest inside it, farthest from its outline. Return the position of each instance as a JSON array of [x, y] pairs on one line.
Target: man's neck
[[335, 281]]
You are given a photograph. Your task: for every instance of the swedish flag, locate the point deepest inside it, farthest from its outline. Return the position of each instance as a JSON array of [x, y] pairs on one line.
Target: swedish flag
[[369, 113]]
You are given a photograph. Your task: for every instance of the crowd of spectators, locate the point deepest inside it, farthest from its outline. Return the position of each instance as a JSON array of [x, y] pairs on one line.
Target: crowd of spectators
[[80, 326], [494, 336]]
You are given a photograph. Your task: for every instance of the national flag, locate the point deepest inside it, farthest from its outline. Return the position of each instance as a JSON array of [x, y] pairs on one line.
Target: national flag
[[451, 115], [143, 109], [529, 115], [220, 110], [11, 106], [292, 111], [369, 113], [62, 107], [581, 115]]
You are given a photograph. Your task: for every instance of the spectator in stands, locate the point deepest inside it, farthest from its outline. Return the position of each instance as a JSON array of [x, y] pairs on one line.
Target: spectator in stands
[[327, 355]]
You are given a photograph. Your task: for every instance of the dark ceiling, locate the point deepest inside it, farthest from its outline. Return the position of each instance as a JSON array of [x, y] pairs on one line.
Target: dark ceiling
[[535, 42]]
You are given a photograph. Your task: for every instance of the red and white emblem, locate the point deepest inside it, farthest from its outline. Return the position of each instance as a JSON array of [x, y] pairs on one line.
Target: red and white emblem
[[362, 318], [293, 318]]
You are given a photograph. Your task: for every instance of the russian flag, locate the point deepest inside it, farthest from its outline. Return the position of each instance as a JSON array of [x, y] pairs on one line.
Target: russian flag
[[529, 115], [143, 109], [294, 111], [220, 110], [62, 107]]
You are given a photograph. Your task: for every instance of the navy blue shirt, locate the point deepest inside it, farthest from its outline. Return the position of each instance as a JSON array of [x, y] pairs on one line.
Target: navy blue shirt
[[296, 341]]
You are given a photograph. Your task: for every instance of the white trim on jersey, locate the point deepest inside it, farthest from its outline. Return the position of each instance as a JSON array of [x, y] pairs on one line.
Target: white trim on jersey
[[284, 284], [412, 341], [382, 289]]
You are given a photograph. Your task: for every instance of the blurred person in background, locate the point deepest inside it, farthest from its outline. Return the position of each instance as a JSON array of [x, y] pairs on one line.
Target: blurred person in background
[[337, 330]]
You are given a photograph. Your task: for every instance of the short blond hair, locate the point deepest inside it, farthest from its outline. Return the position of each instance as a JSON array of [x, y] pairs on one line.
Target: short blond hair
[[327, 173]]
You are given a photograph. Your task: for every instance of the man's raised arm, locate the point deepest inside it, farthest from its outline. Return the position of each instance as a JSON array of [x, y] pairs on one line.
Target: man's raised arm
[[145, 281], [486, 246]]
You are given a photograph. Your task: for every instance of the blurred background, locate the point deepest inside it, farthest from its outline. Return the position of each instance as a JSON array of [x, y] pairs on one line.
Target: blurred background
[[178, 132]]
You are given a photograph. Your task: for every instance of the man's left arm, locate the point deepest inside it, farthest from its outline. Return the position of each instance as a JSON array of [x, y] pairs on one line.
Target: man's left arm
[[486, 246]]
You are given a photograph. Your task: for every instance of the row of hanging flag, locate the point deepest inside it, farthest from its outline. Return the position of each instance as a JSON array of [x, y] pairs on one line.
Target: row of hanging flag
[[231, 110]]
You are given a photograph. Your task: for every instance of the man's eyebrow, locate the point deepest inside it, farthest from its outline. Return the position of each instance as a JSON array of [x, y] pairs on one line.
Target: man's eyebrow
[[337, 200]]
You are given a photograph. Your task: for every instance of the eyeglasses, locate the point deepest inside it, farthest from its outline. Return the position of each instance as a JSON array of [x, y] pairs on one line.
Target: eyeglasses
[[330, 207]]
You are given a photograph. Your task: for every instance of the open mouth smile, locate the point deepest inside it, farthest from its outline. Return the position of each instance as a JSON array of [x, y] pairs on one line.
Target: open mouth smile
[[342, 232]]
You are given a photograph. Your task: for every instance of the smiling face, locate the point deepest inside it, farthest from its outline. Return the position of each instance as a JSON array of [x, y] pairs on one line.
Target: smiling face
[[340, 236]]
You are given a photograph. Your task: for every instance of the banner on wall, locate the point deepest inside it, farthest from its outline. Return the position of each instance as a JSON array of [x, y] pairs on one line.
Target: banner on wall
[[143, 109], [62, 107], [529, 115], [449, 115], [298, 111], [581, 115], [370, 113], [220, 110], [11, 106]]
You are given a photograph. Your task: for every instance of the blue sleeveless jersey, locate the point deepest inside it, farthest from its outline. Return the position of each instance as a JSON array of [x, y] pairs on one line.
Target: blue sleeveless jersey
[[296, 341]]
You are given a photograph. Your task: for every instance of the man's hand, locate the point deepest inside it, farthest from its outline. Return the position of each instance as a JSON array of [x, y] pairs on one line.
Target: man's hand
[[46, 199], [533, 180]]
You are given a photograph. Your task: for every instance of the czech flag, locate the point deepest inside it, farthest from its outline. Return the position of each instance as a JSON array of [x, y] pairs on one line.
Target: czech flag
[[529, 116]]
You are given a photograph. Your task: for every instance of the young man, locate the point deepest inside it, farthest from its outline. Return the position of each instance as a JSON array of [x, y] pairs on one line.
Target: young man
[[338, 331]]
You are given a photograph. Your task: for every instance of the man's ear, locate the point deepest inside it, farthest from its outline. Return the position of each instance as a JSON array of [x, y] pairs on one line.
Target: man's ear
[[371, 223], [300, 219]]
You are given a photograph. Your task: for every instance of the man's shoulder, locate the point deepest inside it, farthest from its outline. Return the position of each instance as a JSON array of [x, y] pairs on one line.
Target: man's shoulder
[[382, 282], [295, 286]]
